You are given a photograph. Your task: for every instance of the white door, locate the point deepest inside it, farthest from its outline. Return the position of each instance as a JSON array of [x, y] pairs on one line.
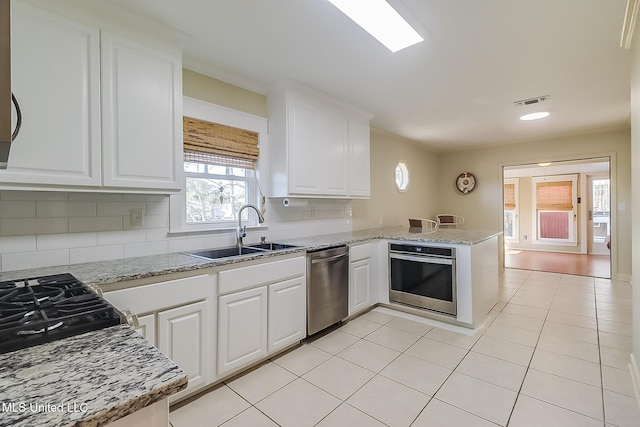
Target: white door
[[242, 328], [359, 159], [182, 334], [55, 73], [599, 214], [141, 116], [304, 149], [335, 134], [359, 285], [287, 313]]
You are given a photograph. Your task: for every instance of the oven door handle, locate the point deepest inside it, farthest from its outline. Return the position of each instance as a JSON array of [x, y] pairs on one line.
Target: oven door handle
[[423, 259]]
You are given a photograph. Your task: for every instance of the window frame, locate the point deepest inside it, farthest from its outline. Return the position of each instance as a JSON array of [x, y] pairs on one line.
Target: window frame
[[516, 211], [203, 110], [572, 240]]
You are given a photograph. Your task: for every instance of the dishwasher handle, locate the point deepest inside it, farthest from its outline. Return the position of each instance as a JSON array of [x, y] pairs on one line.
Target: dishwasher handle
[[329, 258]]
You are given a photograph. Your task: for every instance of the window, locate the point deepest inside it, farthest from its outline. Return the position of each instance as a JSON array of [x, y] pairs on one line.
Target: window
[[402, 176], [555, 207], [511, 209], [221, 154]]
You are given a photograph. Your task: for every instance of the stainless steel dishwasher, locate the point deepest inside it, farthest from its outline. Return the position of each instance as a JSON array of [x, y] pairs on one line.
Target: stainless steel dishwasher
[[327, 287]]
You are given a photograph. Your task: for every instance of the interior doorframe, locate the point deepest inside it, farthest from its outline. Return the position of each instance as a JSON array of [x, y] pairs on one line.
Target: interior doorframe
[[613, 173]]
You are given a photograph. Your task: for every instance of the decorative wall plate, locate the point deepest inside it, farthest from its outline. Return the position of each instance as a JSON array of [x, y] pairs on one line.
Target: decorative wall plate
[[465, 182]]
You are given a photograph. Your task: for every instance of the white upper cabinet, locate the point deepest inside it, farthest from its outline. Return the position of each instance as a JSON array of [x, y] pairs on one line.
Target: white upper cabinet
[[318, 147], [56, 79], [99, 111], [141, 116]]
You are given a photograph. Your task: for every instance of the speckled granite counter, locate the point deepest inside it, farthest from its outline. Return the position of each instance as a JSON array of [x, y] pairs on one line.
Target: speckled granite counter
[[103, 272], [86, 380]]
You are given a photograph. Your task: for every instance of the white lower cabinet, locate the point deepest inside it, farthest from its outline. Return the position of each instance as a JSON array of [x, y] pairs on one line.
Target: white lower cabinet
[[287, 313], [361, 277], [261, 310], [181, 337], [242, 328], [177, 316]]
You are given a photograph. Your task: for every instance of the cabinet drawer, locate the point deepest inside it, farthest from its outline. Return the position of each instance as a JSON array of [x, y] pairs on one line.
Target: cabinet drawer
[[358, 252], [251, 276], [157, 296]]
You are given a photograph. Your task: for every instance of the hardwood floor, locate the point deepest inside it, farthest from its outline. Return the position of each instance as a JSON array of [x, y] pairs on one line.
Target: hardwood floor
[[556, 262]]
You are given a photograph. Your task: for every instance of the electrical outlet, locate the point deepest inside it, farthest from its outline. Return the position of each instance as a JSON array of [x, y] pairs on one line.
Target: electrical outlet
[[136, 217]]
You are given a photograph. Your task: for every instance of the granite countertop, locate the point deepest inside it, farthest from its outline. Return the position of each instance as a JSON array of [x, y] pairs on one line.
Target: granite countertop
[[105, 272], [90, 379]]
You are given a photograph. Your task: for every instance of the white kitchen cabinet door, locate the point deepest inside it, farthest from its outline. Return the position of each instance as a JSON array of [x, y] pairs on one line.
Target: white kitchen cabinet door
[[55, 73], [141, 115], [242, 329], [359, 159], [334, 144], [182, 335], [287, 313], [147, 328], [304, 149], [360, 286]]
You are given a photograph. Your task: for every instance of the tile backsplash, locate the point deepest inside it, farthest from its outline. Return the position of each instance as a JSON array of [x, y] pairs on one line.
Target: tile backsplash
[[41, 229]]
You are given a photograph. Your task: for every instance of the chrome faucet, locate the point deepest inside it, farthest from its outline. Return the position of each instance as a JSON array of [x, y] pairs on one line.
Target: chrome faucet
[[241, 231]]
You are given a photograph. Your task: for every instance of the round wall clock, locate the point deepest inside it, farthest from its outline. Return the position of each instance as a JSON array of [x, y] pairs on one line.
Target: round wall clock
[[465, 182]]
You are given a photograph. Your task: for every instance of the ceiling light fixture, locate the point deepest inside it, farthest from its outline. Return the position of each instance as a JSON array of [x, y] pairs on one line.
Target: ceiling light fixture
[[544, 164], [535, 116], [382, 21]]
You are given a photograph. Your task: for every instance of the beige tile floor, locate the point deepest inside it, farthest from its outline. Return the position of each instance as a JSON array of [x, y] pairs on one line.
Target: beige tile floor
[[553, 352]]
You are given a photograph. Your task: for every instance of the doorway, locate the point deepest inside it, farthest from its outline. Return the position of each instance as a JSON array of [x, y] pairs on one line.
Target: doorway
[[557, 216]]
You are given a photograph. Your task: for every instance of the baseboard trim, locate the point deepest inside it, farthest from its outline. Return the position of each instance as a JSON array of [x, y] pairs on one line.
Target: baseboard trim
[[624, 277], [635, 377]]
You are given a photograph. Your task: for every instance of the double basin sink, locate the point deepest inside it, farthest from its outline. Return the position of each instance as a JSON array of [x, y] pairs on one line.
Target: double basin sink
[[242, 250]]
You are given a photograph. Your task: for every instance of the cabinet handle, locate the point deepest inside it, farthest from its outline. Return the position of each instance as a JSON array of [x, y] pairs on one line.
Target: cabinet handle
[[18, 117], [131, 319]]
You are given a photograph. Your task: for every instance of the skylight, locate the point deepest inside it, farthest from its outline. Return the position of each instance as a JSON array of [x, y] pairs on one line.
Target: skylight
[[380, 20]]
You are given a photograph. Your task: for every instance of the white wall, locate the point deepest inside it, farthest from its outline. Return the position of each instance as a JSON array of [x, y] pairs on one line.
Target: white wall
[[635, 161]]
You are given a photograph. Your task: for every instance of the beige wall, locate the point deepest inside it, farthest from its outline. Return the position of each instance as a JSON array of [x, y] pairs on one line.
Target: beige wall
[[482, 208], [205, 88], [386, 202]]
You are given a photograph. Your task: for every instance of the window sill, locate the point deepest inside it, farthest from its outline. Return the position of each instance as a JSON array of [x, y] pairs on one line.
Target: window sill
[[213, 230]]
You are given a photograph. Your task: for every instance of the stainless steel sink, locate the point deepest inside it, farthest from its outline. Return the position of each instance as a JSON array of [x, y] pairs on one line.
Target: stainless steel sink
[[272, 246], [243, 250], [226, 252]]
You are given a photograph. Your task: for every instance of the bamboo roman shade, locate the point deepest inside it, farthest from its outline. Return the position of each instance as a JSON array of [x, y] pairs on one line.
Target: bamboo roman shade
[[554, 196], [219, 144], [509, 197]]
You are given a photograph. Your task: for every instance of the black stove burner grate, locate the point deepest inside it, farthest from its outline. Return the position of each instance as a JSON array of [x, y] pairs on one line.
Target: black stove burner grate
[[39, 310]]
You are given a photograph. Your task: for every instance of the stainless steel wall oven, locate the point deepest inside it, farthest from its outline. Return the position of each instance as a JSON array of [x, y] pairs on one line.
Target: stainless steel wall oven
[[423, 276]]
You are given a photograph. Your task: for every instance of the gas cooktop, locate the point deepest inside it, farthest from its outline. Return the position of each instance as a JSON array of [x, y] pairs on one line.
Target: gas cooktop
[[38, 310]]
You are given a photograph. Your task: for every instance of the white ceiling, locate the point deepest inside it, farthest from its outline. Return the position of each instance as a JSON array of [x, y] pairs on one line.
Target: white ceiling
[[454, 90]]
